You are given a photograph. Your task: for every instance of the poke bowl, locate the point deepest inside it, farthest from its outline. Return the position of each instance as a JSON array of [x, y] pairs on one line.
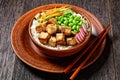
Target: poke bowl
[[60, 31]]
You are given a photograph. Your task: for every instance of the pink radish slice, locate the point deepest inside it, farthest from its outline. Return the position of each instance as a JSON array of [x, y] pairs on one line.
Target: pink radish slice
[[77, 39], [82, 33], [84, 28], [81, 36]]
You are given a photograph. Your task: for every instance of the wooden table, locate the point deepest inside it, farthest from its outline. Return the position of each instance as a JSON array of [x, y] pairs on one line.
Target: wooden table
[[107, 67]]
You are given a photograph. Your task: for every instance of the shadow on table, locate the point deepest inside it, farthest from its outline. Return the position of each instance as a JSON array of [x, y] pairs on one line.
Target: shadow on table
[[83, 74]]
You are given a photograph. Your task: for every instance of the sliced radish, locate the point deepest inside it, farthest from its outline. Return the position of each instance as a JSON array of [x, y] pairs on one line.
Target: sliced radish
[[82, 33], [84, 28], [81, 36], [76, 38]]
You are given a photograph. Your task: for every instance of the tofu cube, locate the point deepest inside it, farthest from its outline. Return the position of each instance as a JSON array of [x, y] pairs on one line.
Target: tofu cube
[[52, 21], [59, 28], [52, 41], [51, 29], [40, 28], [71, 41], [67, 31], [44, 37], [60, 37], [38, 15]]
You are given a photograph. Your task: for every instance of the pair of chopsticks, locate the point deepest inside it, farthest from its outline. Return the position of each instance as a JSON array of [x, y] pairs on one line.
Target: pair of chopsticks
[[99, 38]]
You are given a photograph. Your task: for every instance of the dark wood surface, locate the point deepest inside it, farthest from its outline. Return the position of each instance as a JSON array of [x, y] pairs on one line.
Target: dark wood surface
[[107, 67]]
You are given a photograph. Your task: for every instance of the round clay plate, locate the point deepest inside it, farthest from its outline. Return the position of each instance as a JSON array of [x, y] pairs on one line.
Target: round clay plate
[[31, 55]]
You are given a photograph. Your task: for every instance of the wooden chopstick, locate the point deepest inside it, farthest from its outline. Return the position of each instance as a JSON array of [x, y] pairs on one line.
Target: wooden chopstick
[[68, 68], [91, 53]]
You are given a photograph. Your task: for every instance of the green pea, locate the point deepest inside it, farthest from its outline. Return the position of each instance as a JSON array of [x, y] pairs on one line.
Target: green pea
[[59, 22], [77, 18], [70, 24], [71, 17], [77, 28], [77, 22], [74, 22], [80, 23], [75, 31], [63, 24], [70, 20], [74, 27], [62, 19], [65, 18], [68, 14], [58, 18]]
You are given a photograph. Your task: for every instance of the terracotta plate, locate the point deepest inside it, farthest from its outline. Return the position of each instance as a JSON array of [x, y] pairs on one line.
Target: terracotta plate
[[28, 52]]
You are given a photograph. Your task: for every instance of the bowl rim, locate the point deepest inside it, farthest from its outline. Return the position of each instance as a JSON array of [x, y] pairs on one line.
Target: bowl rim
[[71, 48]]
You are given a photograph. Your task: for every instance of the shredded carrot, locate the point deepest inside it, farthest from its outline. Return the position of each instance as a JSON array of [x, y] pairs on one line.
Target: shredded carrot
[[53, 12], [53, 15]]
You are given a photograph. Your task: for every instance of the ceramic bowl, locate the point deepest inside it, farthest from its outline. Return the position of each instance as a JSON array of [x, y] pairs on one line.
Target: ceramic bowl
[[66, 52]]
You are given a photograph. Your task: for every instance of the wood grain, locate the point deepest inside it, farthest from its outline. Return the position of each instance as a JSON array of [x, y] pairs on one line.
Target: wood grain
[[10, 11], [115, 22], [11, 68], [100, 9]]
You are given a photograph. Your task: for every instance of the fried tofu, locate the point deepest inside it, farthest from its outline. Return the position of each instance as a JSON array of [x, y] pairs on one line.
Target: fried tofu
[[44, 37], [67, 31], [40, 28], [64, 29], [60, 29], [71, 41], [52, 41], [44, 24], [60, 37], [52, 21], [51, 29], [38, 15]]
